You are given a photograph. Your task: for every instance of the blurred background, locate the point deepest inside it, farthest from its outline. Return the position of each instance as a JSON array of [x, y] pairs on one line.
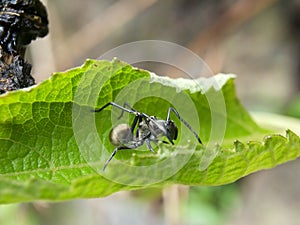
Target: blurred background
[[259, 40]]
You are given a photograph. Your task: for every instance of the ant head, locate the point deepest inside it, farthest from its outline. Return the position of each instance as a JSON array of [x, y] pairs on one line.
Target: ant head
[[172, 129]]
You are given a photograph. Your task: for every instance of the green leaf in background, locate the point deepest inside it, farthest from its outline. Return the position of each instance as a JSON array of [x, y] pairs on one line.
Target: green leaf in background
[[52, 147], [294, 108]]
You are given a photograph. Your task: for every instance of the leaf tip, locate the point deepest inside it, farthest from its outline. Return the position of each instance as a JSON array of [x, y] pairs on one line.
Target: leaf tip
[[291, 136]]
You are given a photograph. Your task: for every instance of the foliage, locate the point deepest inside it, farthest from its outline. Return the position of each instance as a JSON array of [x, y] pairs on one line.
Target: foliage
[[53, 147]]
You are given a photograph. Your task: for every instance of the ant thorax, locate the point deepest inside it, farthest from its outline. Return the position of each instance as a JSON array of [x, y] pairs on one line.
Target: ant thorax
[[142, 131], [157, 127]]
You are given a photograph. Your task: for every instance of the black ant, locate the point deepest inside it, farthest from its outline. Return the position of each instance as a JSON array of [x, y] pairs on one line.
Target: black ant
[[149, 130]]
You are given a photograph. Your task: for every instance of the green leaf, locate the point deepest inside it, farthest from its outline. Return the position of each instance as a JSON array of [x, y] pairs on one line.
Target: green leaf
[[53, 147], [294, 108]]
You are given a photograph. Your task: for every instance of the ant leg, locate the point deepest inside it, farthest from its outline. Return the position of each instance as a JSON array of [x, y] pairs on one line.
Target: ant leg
[[184, 122], [115, 105], [124, 109], [132, 146], [149, 146], [113, 154], [138, 118], [124, 106]]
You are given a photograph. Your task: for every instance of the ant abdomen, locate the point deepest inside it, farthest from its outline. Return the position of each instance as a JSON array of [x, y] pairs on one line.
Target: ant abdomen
[[120, 134]]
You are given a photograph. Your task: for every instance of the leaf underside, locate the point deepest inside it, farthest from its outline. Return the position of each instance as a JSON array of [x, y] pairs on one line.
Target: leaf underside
[[52, 147]]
